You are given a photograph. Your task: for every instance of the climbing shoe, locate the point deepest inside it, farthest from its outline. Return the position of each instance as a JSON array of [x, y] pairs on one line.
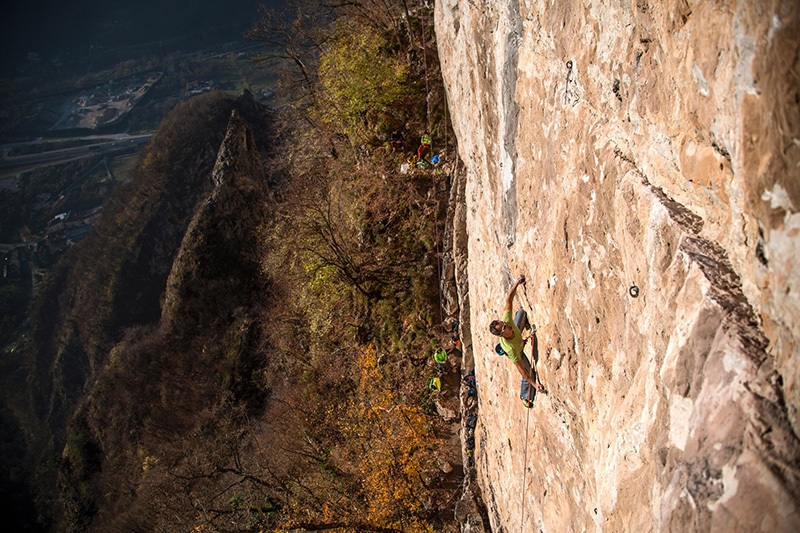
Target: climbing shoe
[[527, 403]]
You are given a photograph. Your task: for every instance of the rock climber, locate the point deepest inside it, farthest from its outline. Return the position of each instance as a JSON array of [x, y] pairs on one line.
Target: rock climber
[[511, 344]]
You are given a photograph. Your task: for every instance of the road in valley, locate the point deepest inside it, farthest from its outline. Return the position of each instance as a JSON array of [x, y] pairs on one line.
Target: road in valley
[[12, 166]]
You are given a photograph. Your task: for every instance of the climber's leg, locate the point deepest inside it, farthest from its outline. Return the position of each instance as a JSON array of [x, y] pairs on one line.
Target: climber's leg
[[524, 386], [521, 319]]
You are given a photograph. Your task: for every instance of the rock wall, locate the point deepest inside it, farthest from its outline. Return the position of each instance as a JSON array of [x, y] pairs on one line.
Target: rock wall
[[625, 144]]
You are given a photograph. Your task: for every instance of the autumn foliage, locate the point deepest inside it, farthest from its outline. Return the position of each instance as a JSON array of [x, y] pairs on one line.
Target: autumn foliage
[[359, 80], [250, 355]]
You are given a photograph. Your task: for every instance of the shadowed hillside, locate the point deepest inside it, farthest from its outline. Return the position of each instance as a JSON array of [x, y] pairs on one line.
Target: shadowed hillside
[[244, 342], [200, 364], [114, 282]]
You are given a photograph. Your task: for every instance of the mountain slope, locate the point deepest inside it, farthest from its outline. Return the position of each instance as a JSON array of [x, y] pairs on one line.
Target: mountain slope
[[159, 388], [109, 287]]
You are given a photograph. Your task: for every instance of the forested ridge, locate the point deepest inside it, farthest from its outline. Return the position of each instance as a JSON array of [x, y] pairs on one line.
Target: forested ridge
[[243, 342]]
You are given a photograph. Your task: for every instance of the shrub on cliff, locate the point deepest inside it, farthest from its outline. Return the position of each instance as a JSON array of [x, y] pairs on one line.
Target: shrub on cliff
[[359, 80]]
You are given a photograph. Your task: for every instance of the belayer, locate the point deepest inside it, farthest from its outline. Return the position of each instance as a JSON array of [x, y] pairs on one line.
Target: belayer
[[511, 344], [424, 144]]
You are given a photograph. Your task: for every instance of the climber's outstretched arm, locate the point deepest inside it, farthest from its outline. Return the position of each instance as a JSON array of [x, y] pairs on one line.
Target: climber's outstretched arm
[[525, 374], [512, 291], [530, 376]]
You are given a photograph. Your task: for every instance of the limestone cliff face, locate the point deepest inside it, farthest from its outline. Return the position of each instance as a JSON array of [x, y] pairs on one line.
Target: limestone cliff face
[[619, 144]]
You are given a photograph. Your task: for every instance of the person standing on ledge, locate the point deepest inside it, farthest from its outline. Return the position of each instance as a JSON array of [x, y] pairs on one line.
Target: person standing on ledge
[[424, 144], [511, 344]]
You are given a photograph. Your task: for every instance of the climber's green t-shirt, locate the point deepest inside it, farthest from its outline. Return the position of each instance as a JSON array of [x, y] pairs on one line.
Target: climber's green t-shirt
[[512, 347]]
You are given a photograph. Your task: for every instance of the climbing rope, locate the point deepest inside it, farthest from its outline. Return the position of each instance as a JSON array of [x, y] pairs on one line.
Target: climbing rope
[[527, 419], [525, 462], [425, 64], [427, 86], [446, 135], [437, 248]]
